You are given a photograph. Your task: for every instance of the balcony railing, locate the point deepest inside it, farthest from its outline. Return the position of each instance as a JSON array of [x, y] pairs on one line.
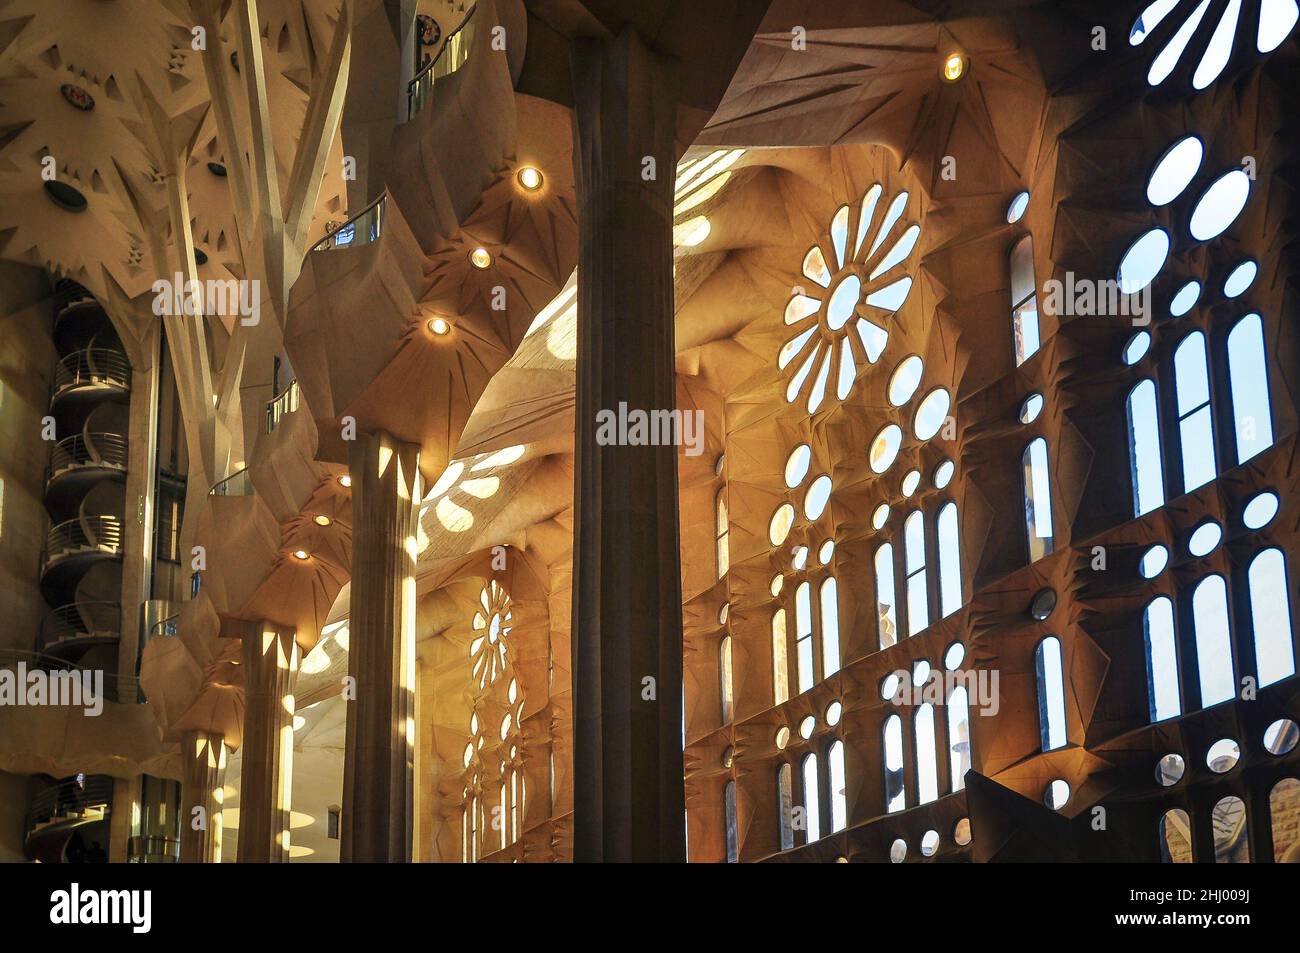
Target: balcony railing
[[98, 534], [452, 56], [114, 684], [239, 483], [153, 849], [361, 229], [95, 365], [69, 800], [99, 450], [281, 404], [78, 620]]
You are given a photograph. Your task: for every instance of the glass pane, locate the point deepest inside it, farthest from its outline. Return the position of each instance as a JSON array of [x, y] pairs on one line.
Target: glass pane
[[1196, 433], [1249, 377], [1024, 300], [780, 664], [1270, 617], [785, 802], [803, 635], [839, 801], [1175, 837], [725, 669], [1283, 806], [1162, 660], [830, 618], [1213, 643], [894, 792], [1231, 843], [958, 736], [927, 766], [730, 798], [949, 560], [1051, 693], [1144, 449], [918, 603], [811, 798], [1038, 499], [1190, 373], [886, 614]]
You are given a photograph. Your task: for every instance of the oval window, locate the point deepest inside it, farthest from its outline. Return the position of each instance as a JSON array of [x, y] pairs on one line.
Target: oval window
[[1143, 261]]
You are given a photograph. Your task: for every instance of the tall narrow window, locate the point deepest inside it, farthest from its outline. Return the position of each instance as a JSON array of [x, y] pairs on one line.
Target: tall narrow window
[[729, 798], [927, 763], [803, 645], [1175, 837], [1038, 499], [886, 613], [785, 805], [1024, 300], [1248, 374], [895, 796], [1270, 617], [950, 598], [839, 800], [918, 595], [830, 619], [1162, 659], [724, 668], [1283, 805], [1195, 426], [959, 736], [1213, 641], [811, 798], [1231, 843], [1144, 449], [722, 534], [1051, 693], [780, 663]]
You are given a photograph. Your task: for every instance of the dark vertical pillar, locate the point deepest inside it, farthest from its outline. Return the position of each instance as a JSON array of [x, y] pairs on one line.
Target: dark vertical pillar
[[266, 779], [629, 803], [378, 773]]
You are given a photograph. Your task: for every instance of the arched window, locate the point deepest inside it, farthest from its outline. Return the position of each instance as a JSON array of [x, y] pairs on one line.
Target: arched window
[[1270, 617], [729, 799], [722, 534], [927, 764], [1024, 300], [830, 619], [785, 805], [1162, 659], [886, 613], [1051, 693], [1038, 499], [918, 595], [959, 736], [1283, 805], [950, 596], [1231, 843], [1175, 837], [895, 795], [1144, 449], [803, 636], [780, 662], [1248, 374], [726, 688], [811, 799], [839, 800], [1213, 641], [1195, 425]]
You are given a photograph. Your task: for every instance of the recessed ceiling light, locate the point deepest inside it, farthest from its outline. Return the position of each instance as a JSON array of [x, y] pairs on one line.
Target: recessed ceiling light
[[480, 258], [438, 326], [300, 554], [345, 480], [954, 67], [322, 520], [530, 180]]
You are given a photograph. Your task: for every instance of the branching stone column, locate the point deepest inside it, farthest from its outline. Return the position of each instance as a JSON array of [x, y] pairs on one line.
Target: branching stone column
[[271, 660], [203, 777], [378, 773], [627, 608]]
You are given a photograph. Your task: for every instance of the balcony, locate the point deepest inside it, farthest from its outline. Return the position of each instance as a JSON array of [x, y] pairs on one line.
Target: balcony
[[284, 403], [91, 375], [57, 814], [363, 229], [239, 483], [68, 631], [452, 56], [73, 546], [80, 461], [153, 849]]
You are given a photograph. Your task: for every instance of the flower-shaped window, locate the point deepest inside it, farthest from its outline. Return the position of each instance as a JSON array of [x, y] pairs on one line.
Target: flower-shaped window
[[488, 650], [1277, 18], [858, 286]]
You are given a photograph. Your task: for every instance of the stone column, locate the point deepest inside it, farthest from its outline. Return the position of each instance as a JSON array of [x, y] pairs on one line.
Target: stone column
[[629, 803], [378, 772], [203, 776], [271, 659], [122, 824]]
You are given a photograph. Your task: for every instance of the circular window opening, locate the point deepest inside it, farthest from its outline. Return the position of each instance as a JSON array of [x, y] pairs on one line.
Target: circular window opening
[[1281, 736], [911, 482], [1143, 261], [884, 448], [826, 551], [1240, 279], [1136, 348], [954, 656], [1204, 539], [77, 97], [1154, 561], [1170, 770], [806, 727], [217, 169], [943, 474], [728, 756], [782, 737], [65, 196], [1043, 605], [1219, 205], [1223, 756], [905, 380], [1260, 511], [930, 843], [814, 502], [931, 414], [1031, 408], [778, 581], [880, 516], [200, 256], [1016, 210], [1175, 171], [1057, 795], [898, 851], [782, 520], [833, 712], [796, 467], [890, 685], [961, 832], [843, 302], [1185, 299]]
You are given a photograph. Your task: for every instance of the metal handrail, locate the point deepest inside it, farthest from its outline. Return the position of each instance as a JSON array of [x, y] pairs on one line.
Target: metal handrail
[[163, 846], [68, 622], [452, 56], [165, 626], [95, 450], [239, 483], [84, 533], [283, 403], [68, 799], [92, 365], [10, 659], [362, 229]]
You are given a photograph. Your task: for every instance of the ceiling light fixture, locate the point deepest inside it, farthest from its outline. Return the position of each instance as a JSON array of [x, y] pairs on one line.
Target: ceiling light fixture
[[322, 520], [480, 258], [300, 554], [345, 480], [529, 178], [954, 67], [438, 326]]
